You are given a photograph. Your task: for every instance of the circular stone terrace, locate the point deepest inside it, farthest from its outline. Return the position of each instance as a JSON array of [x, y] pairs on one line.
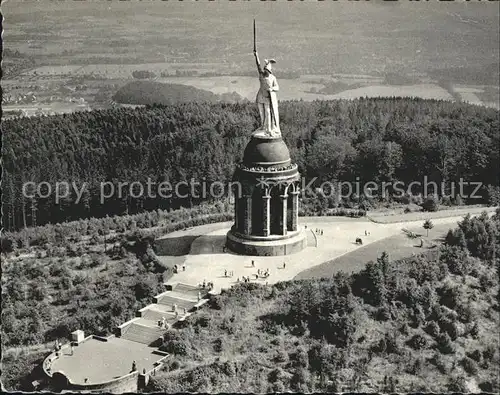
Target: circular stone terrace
[[207, 261], [99, 360]]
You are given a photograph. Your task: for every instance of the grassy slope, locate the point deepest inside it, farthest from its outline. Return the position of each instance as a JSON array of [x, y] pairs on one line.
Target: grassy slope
[[399, 246]]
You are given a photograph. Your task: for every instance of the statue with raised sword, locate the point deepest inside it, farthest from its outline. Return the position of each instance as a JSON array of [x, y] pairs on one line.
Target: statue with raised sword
[[267, 100]]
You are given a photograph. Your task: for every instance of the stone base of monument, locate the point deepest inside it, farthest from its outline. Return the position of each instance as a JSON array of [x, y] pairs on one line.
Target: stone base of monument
[[273, 245]]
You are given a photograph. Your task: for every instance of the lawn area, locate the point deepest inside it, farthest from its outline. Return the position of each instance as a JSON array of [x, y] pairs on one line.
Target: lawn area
[[398, 246], [393, 216]]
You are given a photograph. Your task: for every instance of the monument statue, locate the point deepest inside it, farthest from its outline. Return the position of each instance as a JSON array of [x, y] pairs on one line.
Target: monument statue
[[267, 100]]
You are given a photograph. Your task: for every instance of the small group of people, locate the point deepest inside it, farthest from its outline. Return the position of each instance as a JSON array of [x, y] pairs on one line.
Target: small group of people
[[176, 268], [228, 274], [244, 279], [367, 233], [163, 323], [262, 273], [58, 347], [209, 285], [319, 231]]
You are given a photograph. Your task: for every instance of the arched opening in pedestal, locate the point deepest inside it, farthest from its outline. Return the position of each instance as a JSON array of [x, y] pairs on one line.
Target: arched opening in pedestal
[[289, 212], [276, 212], [257, 212], [241, 212]]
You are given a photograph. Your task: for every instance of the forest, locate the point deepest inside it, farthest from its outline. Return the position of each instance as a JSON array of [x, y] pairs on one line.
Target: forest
[[380, 140], [152, 92], [85, 274]]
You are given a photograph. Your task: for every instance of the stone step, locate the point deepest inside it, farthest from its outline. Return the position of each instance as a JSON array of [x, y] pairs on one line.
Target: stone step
[[184, 296], [156, 315], [187, 289], [180, 303], [142, 334]]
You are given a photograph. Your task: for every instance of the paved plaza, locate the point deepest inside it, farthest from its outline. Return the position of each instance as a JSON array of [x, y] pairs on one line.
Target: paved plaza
[[207, 261]]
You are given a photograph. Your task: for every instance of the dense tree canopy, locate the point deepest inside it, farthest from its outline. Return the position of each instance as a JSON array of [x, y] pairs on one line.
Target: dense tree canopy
[[389, 140]]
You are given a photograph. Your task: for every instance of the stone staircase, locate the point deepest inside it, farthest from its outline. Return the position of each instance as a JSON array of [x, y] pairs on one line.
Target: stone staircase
[[144, 329]]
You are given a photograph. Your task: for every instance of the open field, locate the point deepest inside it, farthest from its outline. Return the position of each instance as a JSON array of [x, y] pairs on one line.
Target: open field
[[345, 37], [303, 88], [452, 52], [351, 38], [51, 79]]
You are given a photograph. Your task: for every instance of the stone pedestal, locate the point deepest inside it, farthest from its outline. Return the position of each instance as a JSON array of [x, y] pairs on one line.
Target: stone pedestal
[[266, 217]]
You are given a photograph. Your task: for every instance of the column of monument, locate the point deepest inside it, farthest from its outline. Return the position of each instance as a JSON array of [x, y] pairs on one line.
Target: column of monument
[[295, 209], [236, 213], [283, 214], [266, 213], [247, 215]]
